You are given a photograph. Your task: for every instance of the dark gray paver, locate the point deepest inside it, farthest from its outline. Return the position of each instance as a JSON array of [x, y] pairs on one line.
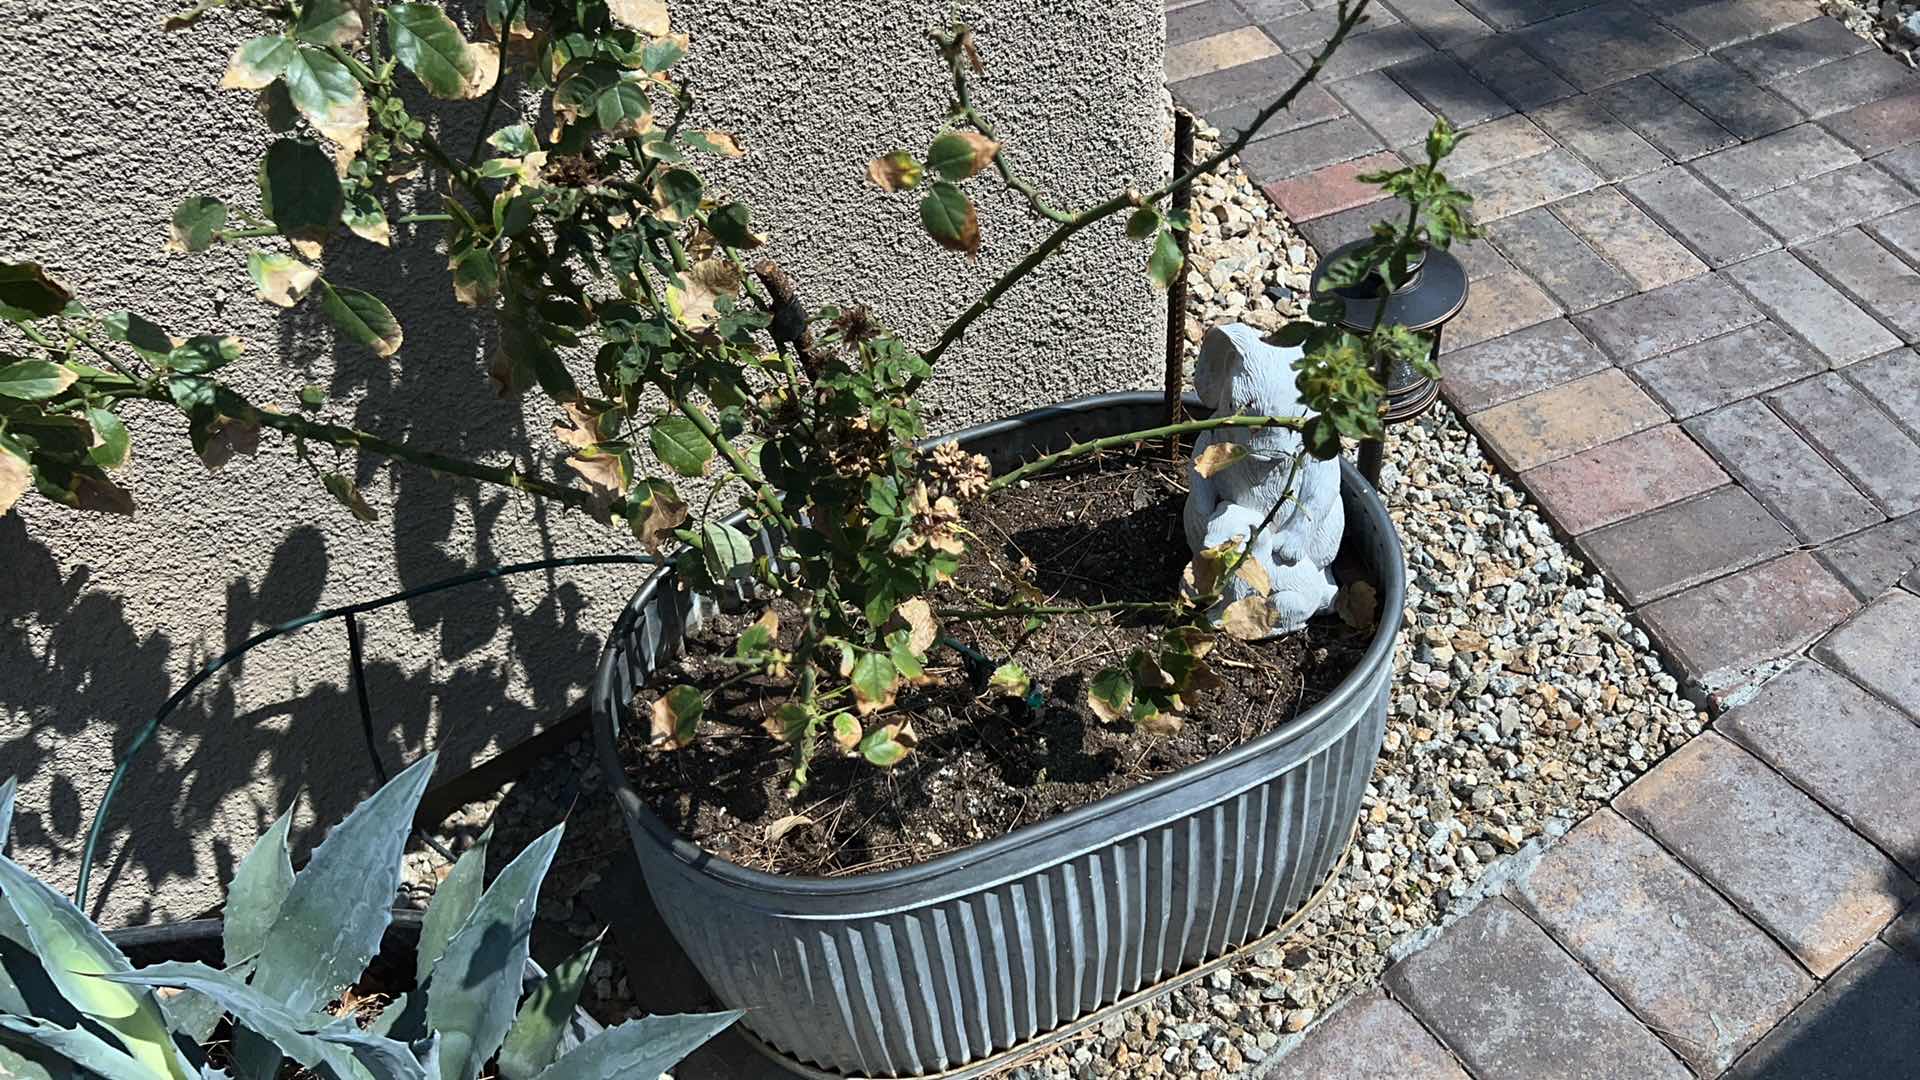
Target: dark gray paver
[[1628, 238], [1874, 560], [1703, 377], [1310, 29], [1496, 143], [1507, 14], [1893, 380], [1627, 476], [1901, 232], [1795, 49], [1720, 631], [1369, 1037], [1644, 326], [1680, 956], [1537, 242], [1874, 276], [1530, 182], [1799, 298], [1311, 107], [1856, 436], [1903, 163], [1515, 1006], [1444, 23], [1605, 44], [1865, 1022], [1777, 854], [1513, 72], [1703, 220], [1370, 52], [1903, 934], [1839, 744], [1261, 80], [1306, 149], [1204, 19], [1728, 98], [1876, 649], [1879, 126], [1388, 109], [1783, 471], [1831, 202], [1681, 131], [1686, 543], [1842, 84], [1712, 24], [1603, 140], [1498, 371], [1329, 232], [1783, 158]]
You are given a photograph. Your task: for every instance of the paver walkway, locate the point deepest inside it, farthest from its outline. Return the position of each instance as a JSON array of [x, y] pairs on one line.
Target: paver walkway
[[1691, 336], [1691, 327]]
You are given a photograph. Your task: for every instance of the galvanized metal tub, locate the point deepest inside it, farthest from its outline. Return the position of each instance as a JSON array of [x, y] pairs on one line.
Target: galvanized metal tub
[[927, 968]]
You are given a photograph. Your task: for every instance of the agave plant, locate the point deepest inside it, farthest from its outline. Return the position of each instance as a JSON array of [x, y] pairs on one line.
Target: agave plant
[[71, 1004]]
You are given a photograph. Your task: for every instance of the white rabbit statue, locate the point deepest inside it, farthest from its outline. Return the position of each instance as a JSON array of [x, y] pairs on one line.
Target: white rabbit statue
[[1239, 373]]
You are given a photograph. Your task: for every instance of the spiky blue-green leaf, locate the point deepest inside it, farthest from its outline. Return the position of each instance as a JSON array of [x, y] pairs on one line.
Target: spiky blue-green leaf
[[476, 984], [6, 813], [648, 1046], [76, 955], [78, 1046], [452, 904], [259, 887], [535, 1036], [290, 1030], [382, 1058]]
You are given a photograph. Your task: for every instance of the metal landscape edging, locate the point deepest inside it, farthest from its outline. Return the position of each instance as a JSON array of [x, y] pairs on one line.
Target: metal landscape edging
[[929, 968]]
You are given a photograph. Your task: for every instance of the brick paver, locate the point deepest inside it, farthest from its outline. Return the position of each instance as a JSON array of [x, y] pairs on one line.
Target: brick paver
[[1878, 125], [1330, 190], [1385, 107], [1783, 158], [1876, 650], [1903, 933], [1880, 458], [1839, 744], [1625, 236], [1876, 278], [1874, 560], [1680, 131], [1606, 143], [1801, 299], [1863, 77], [1863, 1023], [1576, 276], [1685, 543], [1723, 370], [1369, 1037], [1567, 419], [1629, 476], [1728, 98], [1831, 202], [1498, 305], [1515, 1006], [1710, 225], [1682, 958], [1662, 320], [1498, 371], [1771, 460], [1717, 633], [1777, 854]]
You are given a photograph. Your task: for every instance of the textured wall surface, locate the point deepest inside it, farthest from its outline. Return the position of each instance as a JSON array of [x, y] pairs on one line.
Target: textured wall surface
[[109, 123]]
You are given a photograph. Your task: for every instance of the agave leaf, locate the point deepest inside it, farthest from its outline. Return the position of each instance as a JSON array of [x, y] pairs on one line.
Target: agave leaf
[[75, 955], [334, 916], [476, 984], [648, 1046], [389, 1019], [535, 1036], [259, 887], [451, 905], [34, 1061], [75, 1045], [6, 812], [25, 989], [383, 1058], [290, 1030]]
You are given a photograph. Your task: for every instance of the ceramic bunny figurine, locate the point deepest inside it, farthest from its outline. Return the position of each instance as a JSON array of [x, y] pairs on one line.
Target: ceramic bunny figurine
[[1239, 373]]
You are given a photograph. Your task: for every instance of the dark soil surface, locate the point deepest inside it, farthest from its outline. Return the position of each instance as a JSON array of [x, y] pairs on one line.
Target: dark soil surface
[[1107, 530]]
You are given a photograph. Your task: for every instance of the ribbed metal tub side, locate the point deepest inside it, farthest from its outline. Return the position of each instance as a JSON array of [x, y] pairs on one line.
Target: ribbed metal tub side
[[926, 968]]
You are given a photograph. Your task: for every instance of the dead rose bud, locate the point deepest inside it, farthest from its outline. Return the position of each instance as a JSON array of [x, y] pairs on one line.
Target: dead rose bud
[[935, 524], [856, 324]]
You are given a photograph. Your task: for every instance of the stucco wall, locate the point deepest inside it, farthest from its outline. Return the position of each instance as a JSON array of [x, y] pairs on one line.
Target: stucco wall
[[109, 123]]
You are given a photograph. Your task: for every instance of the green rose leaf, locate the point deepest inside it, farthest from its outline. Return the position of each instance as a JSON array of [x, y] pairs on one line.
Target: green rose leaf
[[329, 22], [1142, 223], [362, 316], [729, 225], [29, 291], [34, 380], [312, 397], [950, 218], [1010, 679], [147, 337], [957, 155], [301, 193], [874, 680], [347, 494], [205, 353], [622, 109], [328, 95], [887, 746], [279, 278], [517, 140], [111, 451], [676, 193], [258, 62], [1110, 695], [661, 53], [1165, 262], [725, 550], [680, 446], [431, 47], [196, 223], [362, 214]]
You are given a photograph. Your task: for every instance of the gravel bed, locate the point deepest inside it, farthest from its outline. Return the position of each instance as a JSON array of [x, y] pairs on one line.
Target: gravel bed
[[1523, 700], [1892, 24]]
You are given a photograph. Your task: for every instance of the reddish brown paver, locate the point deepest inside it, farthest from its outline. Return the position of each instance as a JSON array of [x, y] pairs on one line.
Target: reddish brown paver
[[1370, 1037], [1567, 419], [1330, 189], [1717, 632], [1625, 477], [1778, 855], [1878, 125]]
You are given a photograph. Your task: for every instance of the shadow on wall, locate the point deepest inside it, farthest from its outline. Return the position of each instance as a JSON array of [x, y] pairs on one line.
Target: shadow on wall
[[79, 670]]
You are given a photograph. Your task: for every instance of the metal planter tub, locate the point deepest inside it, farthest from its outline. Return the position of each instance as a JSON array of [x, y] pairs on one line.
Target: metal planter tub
[[935, 967]]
